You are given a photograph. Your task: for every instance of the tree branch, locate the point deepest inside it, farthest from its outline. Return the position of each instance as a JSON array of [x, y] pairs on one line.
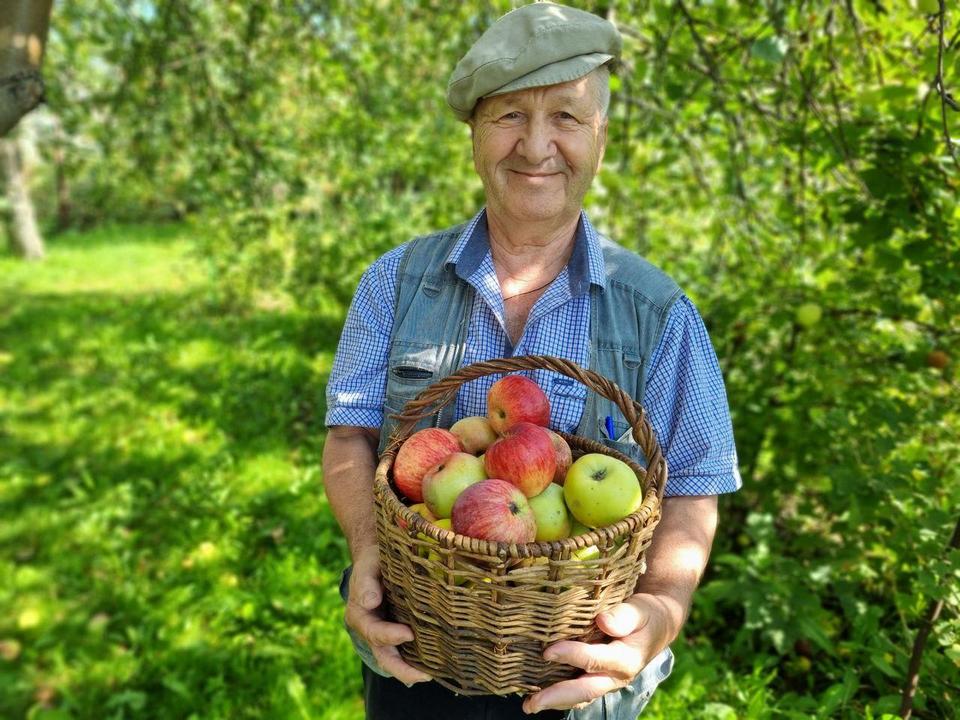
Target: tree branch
[[945, 98], [933, 612]]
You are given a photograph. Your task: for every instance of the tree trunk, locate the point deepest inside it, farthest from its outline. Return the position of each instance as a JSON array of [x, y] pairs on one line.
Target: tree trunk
[[23, 226], [23, 35]]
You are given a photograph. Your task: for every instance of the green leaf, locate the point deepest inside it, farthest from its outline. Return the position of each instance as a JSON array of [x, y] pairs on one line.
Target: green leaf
[[770, 49], [883, 665], [718, 711]]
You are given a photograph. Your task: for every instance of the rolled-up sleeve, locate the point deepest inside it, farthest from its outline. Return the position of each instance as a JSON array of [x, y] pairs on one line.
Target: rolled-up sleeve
[[687, 405], [357, 382]]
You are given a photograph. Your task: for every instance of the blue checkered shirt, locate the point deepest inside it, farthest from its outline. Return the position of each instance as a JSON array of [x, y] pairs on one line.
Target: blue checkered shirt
[[684, 398]]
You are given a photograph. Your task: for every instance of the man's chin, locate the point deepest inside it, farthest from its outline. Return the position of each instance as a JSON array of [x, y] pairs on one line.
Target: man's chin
[[533, 209]]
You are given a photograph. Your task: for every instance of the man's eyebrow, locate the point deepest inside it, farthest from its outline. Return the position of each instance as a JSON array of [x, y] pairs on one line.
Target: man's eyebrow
[[570, 97]]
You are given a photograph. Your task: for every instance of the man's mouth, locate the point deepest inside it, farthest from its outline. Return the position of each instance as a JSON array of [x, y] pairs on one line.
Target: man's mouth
[[534, 175]]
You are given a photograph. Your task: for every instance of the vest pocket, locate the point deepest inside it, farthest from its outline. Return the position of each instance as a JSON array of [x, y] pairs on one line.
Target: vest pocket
[[622, 440], [411, 363], [411, 372]]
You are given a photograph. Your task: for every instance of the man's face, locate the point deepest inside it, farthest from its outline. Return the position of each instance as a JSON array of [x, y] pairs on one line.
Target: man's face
[[537, 150]]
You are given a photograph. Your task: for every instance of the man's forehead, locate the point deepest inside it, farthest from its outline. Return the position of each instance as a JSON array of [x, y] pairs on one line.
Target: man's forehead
[[575, 91]]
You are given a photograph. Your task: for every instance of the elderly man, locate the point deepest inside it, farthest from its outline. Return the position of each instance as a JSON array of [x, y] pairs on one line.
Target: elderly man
[[529, 275]]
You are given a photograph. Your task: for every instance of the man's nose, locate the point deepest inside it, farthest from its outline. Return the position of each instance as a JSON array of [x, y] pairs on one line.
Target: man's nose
[[537, 142]]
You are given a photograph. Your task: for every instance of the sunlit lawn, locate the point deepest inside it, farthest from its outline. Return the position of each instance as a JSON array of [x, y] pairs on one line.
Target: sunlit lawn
[[165, 546]]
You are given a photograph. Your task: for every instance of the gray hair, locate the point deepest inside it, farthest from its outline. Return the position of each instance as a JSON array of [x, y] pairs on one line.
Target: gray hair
[[601, 87]]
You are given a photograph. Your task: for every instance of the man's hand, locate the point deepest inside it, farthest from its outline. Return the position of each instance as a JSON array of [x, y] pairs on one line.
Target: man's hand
[[363, 615], [650, 619], [640, 628]]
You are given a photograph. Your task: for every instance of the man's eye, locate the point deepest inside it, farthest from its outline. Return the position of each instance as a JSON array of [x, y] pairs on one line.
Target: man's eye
[[565, 116], [511, 116]]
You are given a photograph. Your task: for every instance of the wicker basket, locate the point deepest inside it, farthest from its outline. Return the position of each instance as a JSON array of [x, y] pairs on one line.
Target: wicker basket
[[482, 612]]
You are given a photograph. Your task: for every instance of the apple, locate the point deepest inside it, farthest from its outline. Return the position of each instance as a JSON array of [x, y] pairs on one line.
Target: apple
[[564, 456], [421, 451], [524, 456], [938, 359], [550, 512], [474, 433], [494, 510], [515, 399], [420, 509], [809, 314], [590, 552], [443, 483], [577, 527], [600, 490], [441, 523], [439, 573]]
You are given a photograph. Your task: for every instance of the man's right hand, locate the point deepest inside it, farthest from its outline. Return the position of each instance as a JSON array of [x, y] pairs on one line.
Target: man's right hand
[[364, 616]]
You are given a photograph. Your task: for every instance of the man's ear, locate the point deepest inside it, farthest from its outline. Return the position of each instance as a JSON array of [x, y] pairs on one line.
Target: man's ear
[[602, 139]]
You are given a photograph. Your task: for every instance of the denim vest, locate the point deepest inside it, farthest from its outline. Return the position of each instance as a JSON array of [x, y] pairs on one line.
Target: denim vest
[[432, 314]]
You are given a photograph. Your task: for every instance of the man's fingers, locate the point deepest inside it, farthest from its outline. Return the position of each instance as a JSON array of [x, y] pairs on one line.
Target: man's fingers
[[389, 659], [381, 632], [617, 658], [571, 693], [375, 630]]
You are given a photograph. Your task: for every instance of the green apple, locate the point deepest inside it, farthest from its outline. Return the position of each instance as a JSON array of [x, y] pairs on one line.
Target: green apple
[[438, 573], [578, 528], [600, 490], [551, 514], [809, 314], [444, 483], [420, 509], [424, 552], [590, 552]]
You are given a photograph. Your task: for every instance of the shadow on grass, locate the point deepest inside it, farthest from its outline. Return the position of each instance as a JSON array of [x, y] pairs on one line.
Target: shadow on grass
[[165, 541]]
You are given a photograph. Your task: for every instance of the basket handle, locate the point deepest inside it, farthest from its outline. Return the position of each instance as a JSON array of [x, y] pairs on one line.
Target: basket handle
[[444, 391]]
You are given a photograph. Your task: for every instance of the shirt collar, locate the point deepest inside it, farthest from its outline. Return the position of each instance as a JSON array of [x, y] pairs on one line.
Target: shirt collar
[[584, 268]]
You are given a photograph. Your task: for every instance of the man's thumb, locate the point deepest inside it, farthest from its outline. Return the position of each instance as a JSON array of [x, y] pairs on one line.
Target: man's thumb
[[620, 620], [367, 584], [369, 597]]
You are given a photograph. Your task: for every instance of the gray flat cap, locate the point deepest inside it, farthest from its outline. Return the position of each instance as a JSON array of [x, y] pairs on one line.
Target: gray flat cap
[[532, 46]]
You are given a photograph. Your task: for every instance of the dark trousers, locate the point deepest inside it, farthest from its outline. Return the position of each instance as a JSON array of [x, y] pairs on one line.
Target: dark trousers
[[390, 699]]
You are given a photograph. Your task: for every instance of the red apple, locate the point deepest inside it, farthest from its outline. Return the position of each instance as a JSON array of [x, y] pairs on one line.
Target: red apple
[[524, 457], [494, 510], [564, 456], [474, 433], [514, 399], [421, 451]]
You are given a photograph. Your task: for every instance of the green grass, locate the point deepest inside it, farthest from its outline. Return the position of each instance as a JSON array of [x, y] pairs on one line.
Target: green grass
[[165, 546]]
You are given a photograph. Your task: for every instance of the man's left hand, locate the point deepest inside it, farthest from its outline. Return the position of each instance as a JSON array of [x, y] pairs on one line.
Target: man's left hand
[[640, 628]]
